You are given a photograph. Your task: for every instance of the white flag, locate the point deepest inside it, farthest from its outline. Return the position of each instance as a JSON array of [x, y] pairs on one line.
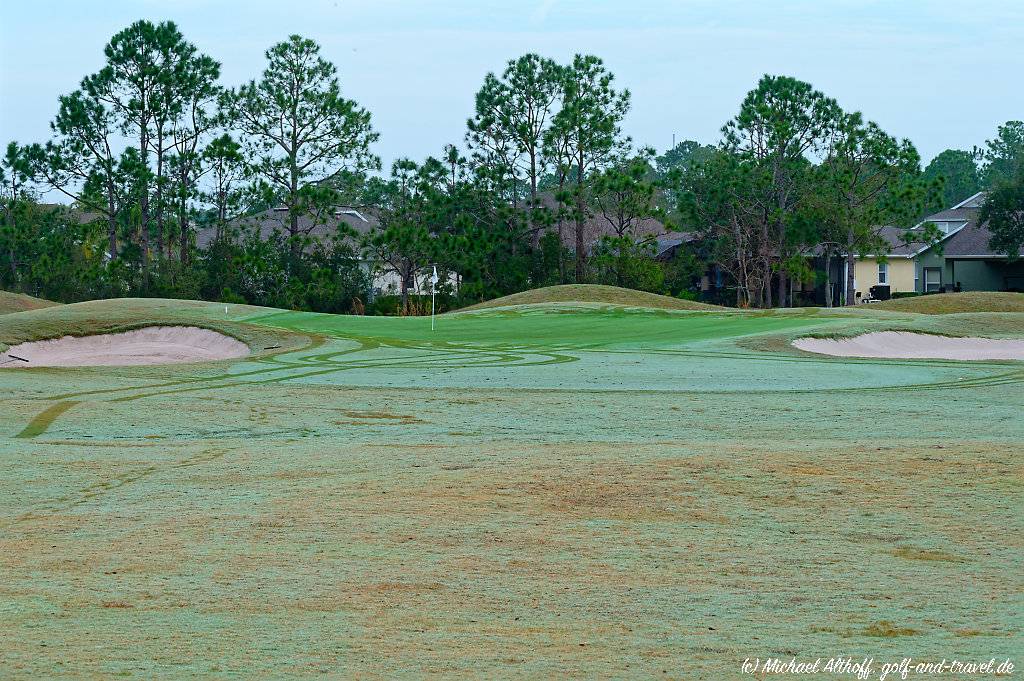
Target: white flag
[[433, 277]]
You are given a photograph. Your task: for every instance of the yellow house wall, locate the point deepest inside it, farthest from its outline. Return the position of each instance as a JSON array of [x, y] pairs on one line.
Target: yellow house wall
[[901, 274]]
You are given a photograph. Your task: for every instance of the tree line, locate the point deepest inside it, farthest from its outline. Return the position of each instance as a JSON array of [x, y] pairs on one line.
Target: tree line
[[152, 148]]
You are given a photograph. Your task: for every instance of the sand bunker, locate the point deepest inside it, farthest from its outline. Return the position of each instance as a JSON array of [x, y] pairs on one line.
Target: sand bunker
[[905, 345], [151, 345]]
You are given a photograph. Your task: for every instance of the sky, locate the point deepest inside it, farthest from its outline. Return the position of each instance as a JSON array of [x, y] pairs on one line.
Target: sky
[[943, 74]]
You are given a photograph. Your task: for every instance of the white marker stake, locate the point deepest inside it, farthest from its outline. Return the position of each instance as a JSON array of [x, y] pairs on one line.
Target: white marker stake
[[433, 290]]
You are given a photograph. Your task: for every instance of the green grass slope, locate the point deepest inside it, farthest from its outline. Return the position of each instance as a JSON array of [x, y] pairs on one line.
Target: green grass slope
[[19, 302], [593, 293], [124, 314], [955, 303]]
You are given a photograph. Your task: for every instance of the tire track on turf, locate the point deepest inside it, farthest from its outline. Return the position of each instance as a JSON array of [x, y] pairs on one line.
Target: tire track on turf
[[433, 355], [99, 489]]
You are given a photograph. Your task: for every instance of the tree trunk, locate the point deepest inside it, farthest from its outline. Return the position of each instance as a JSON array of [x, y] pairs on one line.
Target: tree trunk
[[222, 210], [581, 254], [160, 194], [581, 247], [144, 200], [184, 237], [111, 222], [183, 233], [14, 263], [293, 233], [534, 231], [405, 293], [293, 216], [851, 293], [781, 228], [828, 279], [14, 229], [562, 270]]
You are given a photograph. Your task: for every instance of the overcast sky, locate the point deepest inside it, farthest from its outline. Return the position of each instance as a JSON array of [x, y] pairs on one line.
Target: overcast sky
[[944, 74]]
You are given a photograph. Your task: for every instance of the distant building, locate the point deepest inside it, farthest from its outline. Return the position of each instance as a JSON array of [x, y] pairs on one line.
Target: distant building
[[598, 225], [962, 259], [276, 220], [360, 220]]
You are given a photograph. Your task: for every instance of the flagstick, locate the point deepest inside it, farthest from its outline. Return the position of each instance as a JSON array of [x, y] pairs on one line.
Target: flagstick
[[433, 290]]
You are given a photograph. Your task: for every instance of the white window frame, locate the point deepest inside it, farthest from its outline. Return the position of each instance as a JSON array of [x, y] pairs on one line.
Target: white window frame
[[883, 273]]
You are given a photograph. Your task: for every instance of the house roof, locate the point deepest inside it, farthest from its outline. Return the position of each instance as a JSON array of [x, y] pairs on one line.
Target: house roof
[[276, 220], [965, 239], [82, 217], [665, 246], [363, 221], [972, 201], [972, 239], [971, 242], [598, 225], [898, 246], [952, 215]]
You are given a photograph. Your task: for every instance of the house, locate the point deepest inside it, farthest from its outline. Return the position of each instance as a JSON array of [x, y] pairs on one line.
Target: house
[[276, 220], [360, 220], [966, 261], [600, 224], [961, 259], [897, 269]]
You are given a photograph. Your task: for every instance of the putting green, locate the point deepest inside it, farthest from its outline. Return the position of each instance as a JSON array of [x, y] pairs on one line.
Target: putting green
[[556, 489]]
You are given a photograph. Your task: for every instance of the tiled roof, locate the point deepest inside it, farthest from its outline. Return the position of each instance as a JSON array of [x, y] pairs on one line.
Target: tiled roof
[[598, 225], [971, 241], [276, 220], [952, 215], [82, 217]]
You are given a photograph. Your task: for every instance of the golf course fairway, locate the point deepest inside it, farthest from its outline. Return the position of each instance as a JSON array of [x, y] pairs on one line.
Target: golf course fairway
[[534, 490]]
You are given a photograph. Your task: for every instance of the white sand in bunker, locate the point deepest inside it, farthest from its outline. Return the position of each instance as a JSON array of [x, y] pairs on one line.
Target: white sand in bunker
[[151, 345], [906, 345]]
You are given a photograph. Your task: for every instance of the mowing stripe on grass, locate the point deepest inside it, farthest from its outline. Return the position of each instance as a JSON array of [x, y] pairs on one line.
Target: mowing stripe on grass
[[42, 421]]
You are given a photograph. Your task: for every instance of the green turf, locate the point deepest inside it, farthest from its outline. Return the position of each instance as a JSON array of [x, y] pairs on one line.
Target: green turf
[[561, 490], [951, 303], [19, 302], [593, 293]]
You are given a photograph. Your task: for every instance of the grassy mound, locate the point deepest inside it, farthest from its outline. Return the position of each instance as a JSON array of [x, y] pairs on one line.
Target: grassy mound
[[19, 302], [953, 303], [126, 314], [593, 293]]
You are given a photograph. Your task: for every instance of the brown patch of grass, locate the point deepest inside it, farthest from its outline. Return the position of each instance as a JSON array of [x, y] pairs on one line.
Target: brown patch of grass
[[624, 492], [373, 414], [817, 629], [807, 469], [389, 587], [914, 553], [117, 604], [365, 417], [886, 629]]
